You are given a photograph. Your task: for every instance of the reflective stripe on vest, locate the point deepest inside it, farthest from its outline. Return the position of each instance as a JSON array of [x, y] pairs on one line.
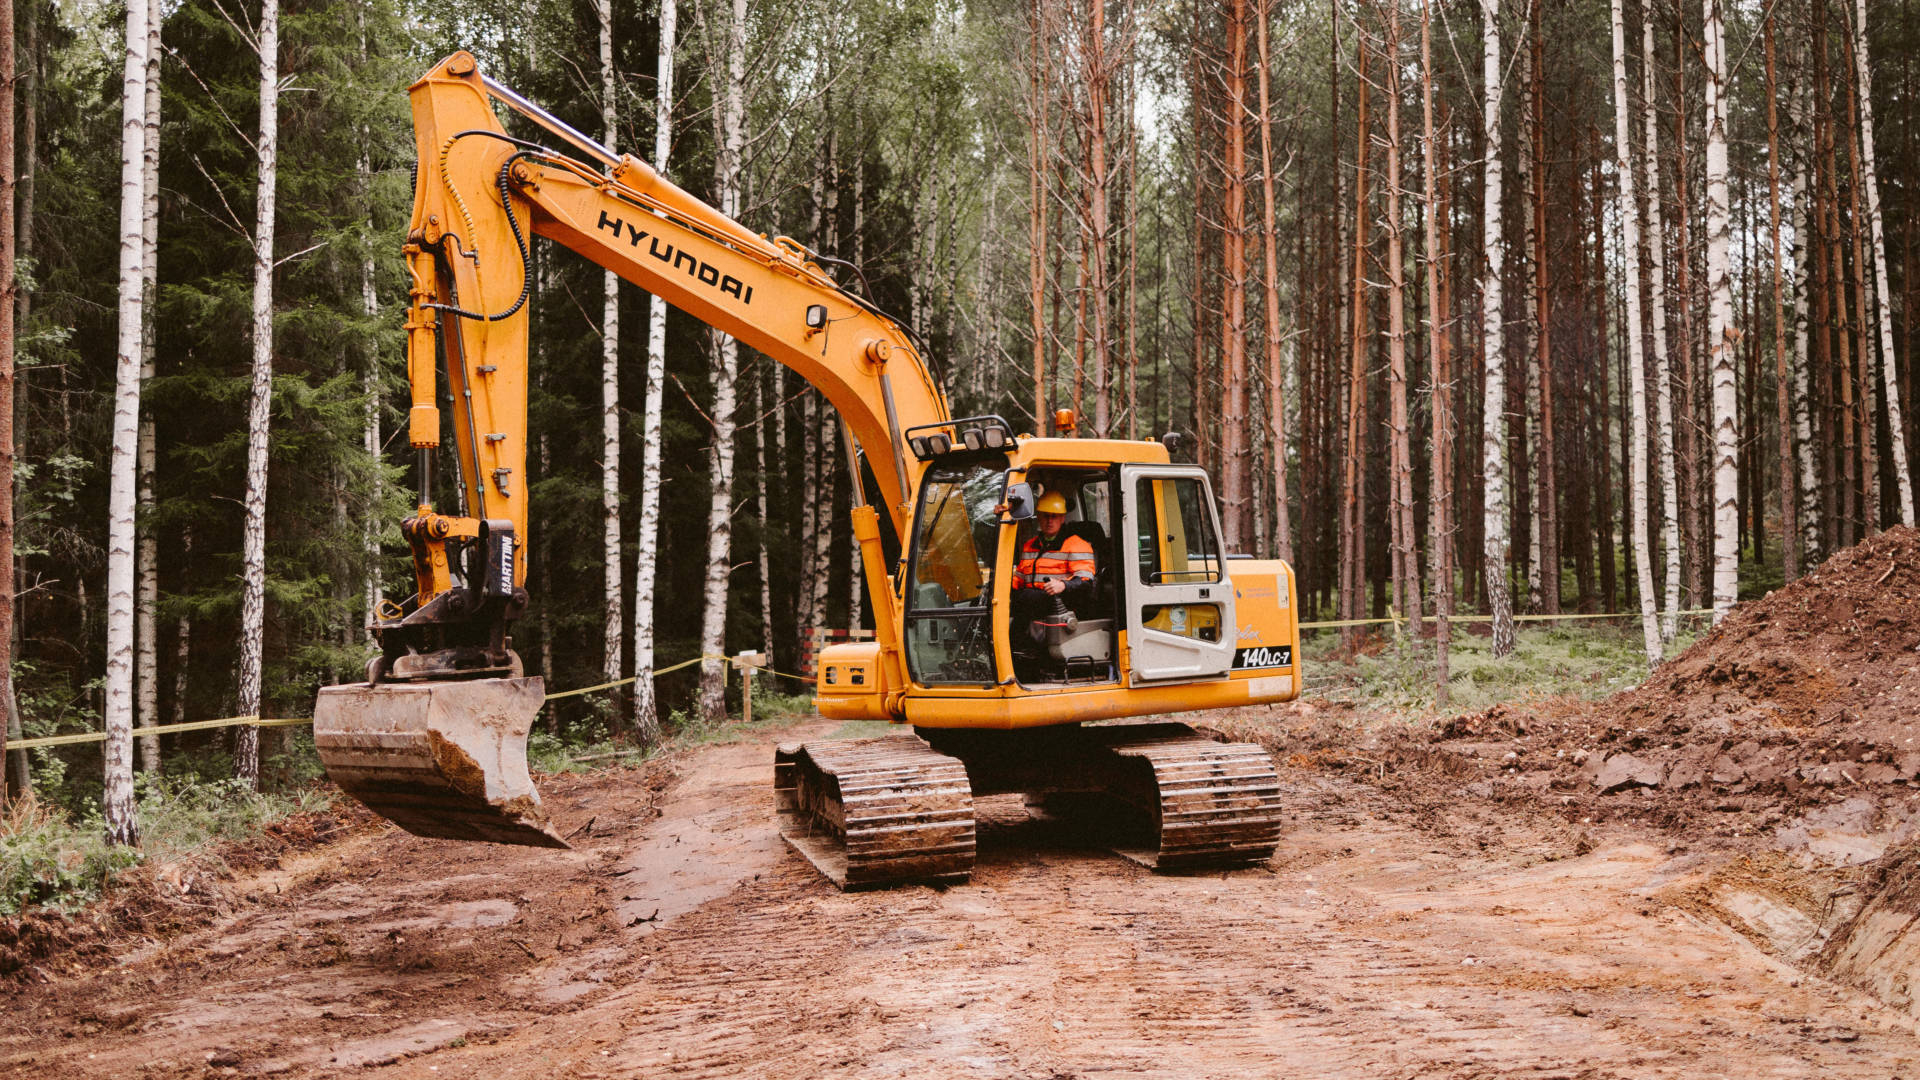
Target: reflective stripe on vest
[[1072, 559]]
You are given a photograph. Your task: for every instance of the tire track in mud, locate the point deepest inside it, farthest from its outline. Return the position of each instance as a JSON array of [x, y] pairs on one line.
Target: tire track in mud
[[1379, 942], [1407, 958]]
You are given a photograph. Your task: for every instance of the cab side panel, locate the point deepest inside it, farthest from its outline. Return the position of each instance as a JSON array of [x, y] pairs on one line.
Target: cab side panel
[[1267, 650]]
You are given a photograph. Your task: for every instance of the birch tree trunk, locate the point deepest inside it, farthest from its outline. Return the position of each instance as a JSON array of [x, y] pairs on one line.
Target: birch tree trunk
[[117, 804], [253, 558], [1662, 379], [646, 708], [370, 423], [613, 636], [824, 440], [1636, 354], [9, 289], [726, 353], [1493, 330], [182, 638], [764, 468], [1789, 533], [1871, 182], [1802, 332], [857, 574], [19, 780], [146, 570], [1721, 333], [1547, 514], [1276, 380], [1869, 427]]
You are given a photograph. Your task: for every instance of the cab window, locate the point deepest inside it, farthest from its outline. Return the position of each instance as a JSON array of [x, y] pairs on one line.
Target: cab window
[[1175, 533], [956, 537]]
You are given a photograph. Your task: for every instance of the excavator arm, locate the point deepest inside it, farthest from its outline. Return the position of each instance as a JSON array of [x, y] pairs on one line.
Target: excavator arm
[[406, 742], [479, 198]]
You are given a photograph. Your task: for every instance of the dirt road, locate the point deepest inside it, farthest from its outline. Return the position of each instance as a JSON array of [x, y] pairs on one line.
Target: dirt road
[[1383, 941]]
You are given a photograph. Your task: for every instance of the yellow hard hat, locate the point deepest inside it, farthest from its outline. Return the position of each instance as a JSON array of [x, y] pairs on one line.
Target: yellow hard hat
[[1052, 503]]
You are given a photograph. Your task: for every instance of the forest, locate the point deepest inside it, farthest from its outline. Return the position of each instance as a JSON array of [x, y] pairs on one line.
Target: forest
[[1489, 307]]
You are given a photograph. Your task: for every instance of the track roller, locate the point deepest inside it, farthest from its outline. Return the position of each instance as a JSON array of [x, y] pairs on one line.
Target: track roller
[[876, 812]]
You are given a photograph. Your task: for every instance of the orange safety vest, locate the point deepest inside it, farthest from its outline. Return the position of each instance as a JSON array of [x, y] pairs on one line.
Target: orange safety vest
[[1038, 565]]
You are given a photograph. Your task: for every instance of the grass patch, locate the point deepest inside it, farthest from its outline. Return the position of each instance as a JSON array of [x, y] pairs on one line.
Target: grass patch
[[54, 854], [1588, 660], [50, 858]]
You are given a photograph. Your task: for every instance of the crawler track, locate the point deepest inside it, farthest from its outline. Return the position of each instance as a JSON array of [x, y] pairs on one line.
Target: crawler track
[[1212, 804], [876, 812]]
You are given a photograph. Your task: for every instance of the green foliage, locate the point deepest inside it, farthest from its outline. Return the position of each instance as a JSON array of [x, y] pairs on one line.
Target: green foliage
[[50, 858]]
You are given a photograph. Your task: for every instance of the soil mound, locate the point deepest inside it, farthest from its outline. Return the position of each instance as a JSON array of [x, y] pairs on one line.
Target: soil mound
[[1804, 697]]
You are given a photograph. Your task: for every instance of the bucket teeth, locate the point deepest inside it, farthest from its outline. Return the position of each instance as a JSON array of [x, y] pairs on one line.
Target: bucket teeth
[[440, 759], [876, 812]]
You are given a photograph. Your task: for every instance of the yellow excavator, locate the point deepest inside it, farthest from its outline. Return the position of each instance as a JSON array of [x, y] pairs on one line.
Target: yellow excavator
[[1044, 584]]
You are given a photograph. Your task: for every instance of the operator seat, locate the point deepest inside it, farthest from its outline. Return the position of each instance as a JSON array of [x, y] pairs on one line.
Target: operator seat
[[1096, 603], [1086, 651]]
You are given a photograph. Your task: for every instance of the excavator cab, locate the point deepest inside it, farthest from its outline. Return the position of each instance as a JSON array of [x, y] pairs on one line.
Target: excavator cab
[[1069, 638]]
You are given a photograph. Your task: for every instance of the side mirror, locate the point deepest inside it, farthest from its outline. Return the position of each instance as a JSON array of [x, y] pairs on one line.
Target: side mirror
[[1019, 502]]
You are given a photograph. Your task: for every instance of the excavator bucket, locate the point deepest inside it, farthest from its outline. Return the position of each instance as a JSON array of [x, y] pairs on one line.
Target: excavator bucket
[[444, 759]]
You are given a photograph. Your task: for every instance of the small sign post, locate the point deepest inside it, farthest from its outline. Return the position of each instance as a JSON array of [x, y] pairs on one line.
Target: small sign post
[[748, 663]]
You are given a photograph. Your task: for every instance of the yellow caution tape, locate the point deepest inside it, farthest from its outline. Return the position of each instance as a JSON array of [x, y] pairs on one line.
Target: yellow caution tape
[[1337, 623], [298, 721]]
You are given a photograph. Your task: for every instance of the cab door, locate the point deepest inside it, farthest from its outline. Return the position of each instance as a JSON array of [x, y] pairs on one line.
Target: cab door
[[1179, 601]]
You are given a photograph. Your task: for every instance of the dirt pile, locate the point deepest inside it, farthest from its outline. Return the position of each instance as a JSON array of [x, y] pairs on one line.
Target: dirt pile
[[1805, 697]]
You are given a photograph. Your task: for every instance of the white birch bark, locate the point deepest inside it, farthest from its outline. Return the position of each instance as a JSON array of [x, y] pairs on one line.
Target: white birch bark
[[370, 425], [764, 467], [646, 708], [810, 515], [1662, 379], [824, 438], [726, 358], [182, 640], [615, 635], [117, 804], [1895, 422], [1802, 329], [1530, 330], [1493, 329], [253, 542], [1720, 329], [856, 565], [1636, 353], [146, 572]]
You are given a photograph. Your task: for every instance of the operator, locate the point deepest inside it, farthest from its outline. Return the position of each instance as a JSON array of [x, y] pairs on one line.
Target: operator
[[1050, 564]]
